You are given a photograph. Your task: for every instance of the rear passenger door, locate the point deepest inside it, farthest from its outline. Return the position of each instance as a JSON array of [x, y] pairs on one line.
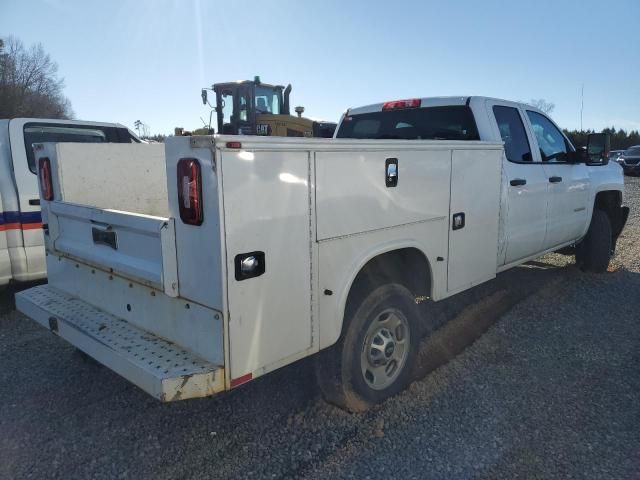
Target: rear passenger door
[[569, 184], [525, 184]]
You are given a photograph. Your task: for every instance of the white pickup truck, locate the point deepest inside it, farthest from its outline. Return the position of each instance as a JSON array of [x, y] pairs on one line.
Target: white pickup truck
[[21, 243], [194, 269]]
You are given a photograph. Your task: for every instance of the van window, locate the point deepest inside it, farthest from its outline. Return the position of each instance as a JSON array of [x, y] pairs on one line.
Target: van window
[[49, 133], [454, 122], [513, 134]]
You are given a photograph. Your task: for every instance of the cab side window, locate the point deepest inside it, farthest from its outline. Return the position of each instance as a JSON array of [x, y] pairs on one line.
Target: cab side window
[[60, 133], [552, 144], [513, 134]]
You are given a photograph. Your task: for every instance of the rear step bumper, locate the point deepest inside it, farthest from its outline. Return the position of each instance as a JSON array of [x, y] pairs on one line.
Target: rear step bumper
[[159, 367]]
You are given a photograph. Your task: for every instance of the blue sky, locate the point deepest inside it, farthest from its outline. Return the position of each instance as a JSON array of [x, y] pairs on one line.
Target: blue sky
[[124, 60]]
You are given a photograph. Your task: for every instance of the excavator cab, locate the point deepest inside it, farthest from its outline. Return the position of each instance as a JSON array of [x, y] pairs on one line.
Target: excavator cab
[[251, 107]]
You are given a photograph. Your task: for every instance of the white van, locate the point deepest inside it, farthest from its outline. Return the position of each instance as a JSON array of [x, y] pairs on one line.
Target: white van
[[21, 241]]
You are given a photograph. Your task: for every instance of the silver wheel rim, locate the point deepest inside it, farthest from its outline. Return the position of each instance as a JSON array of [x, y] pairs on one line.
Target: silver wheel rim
[[385, 349]]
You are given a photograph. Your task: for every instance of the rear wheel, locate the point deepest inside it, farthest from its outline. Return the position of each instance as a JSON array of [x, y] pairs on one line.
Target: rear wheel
[[594, 252], [374, 358]]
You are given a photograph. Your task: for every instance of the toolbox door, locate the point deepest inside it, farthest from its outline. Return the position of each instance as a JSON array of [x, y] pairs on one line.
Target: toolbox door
[[268, 253], [473, 217]]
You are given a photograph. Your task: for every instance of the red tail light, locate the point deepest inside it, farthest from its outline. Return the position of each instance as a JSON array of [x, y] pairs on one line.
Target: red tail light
[[190, 191], [44, 174], [400, 104]]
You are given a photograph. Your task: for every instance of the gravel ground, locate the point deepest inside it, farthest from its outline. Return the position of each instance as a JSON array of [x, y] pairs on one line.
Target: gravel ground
[[550, 390]]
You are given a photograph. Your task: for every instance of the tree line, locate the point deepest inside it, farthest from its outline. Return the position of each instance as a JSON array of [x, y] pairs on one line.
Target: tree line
[[29, 83], [620, 139]]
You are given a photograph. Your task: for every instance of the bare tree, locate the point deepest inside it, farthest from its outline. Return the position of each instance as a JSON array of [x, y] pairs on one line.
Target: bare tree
[[29, 83], [543, 105]]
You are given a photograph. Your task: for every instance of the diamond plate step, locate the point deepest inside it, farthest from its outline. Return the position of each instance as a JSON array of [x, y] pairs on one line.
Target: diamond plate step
[[161, 368]]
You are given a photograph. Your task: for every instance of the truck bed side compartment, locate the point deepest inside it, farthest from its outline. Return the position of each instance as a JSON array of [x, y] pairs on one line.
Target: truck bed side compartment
[[475, 201], [267, 205], [353, 196]]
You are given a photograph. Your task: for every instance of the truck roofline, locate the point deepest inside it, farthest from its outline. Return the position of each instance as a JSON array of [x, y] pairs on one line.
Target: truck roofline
[[63, 121], [8, 121], [437, 102]]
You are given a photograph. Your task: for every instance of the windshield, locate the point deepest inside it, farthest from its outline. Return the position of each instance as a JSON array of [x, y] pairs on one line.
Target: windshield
[[267, 100], [633, 151], [431, 123]]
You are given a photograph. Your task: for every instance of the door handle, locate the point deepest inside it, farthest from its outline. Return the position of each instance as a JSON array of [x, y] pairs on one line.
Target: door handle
[[555, 179], [34, 201], [517, 182], [105, 237], [457, 221], [391, 172]]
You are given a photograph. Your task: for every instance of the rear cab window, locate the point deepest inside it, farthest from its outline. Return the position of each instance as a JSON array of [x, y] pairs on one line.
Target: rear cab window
[[43, 132], [454, 122]]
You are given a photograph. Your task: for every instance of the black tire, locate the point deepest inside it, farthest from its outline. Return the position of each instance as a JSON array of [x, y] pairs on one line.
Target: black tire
[[340, 367], [594, 252]]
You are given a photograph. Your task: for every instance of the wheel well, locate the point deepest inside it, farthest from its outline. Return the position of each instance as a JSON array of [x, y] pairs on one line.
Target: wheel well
[[610, 202], [407, 266]]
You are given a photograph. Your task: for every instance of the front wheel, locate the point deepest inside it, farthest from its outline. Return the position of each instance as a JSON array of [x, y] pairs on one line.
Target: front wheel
[[375, 356], [594, 252]]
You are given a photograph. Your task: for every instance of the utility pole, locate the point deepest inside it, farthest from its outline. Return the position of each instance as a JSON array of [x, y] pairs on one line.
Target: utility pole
[[139, 124], [581, 105]]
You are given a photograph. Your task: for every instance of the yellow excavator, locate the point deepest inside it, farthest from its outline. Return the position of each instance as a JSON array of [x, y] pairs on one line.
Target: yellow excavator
[[251, 107]]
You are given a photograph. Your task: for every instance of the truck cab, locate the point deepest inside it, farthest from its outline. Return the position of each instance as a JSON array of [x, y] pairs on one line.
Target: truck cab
[[21, 241]]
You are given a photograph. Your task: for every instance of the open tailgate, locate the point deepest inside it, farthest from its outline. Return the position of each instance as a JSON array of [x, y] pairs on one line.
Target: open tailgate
[[135, 246], [116, 221]]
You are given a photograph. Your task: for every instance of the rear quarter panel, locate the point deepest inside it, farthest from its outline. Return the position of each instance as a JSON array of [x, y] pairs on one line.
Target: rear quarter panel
[[359, 217]]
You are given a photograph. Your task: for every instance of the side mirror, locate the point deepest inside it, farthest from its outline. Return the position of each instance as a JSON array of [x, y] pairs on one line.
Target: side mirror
[[598, 149], [203, 94], [579, 156]]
